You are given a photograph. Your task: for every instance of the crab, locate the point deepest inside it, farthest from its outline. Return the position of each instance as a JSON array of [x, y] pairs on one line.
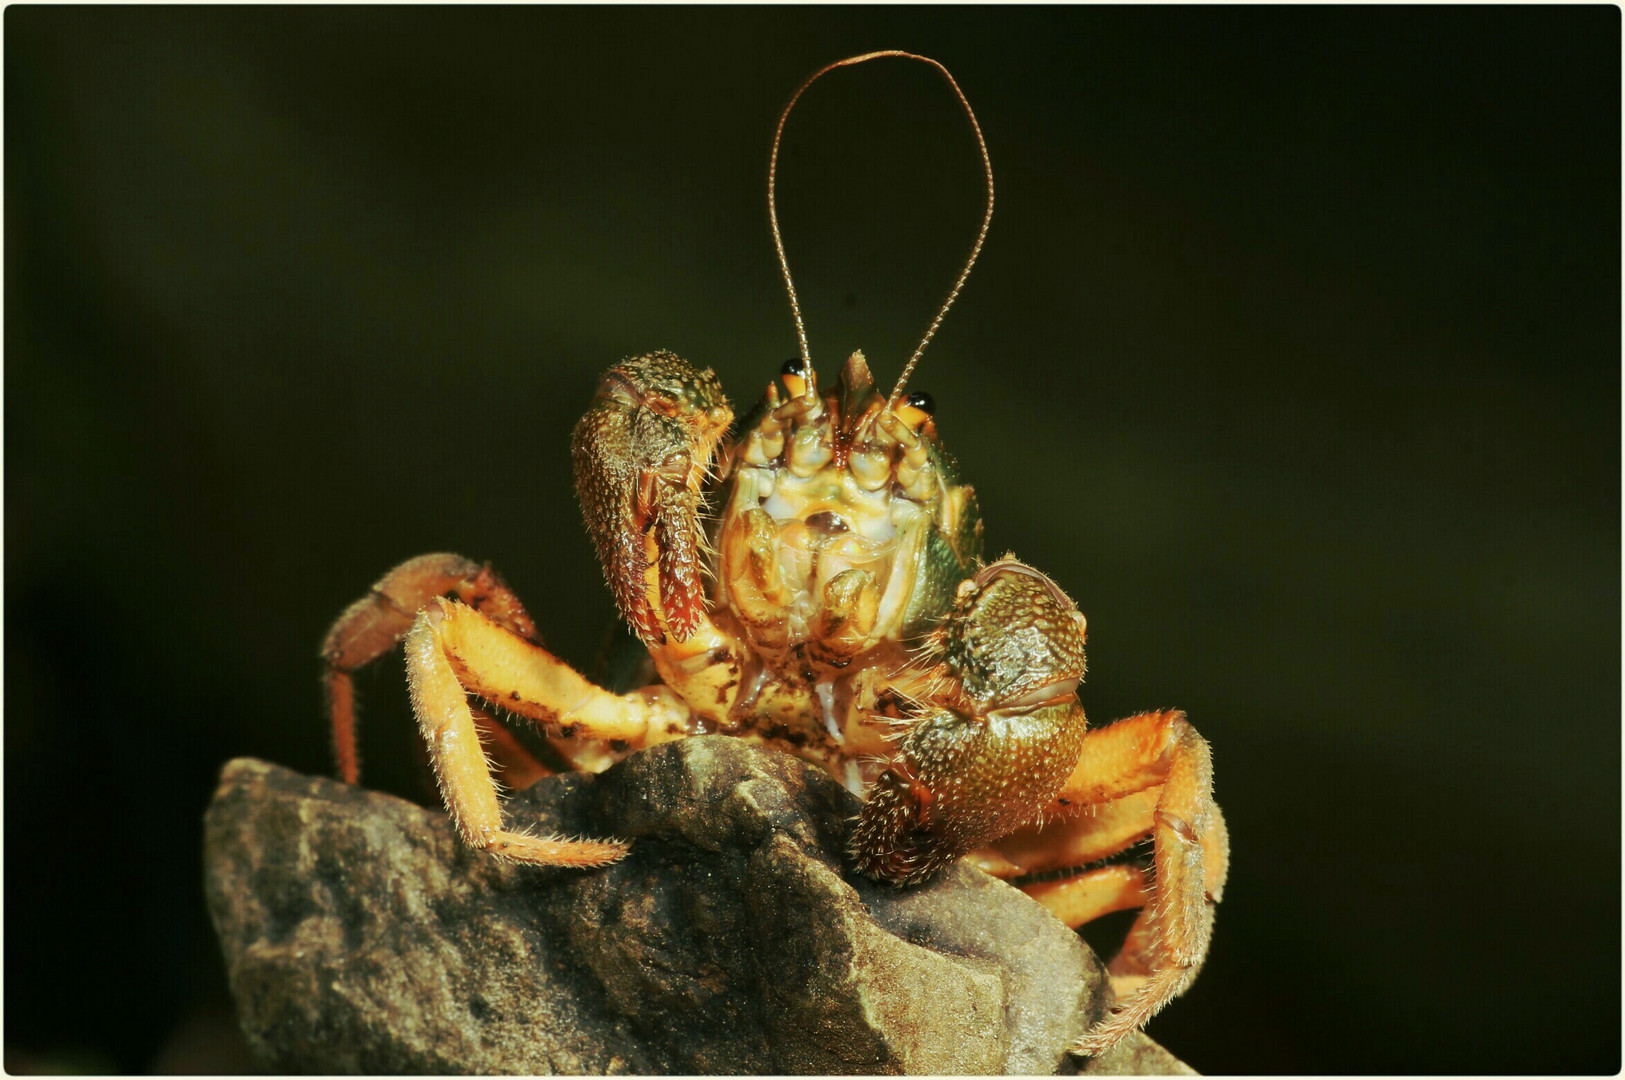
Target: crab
[[812, 578]]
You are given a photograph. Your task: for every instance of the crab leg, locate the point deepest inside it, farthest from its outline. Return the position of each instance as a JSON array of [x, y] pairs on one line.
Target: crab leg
[[515, 766], [1090, 833], [452, 650], [373, 624], [1094, 893], [1157, 751], [522, 677], [450, 732]]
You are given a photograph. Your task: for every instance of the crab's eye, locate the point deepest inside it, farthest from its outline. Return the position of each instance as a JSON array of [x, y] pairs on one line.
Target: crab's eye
[[797, 375], [916, 409]]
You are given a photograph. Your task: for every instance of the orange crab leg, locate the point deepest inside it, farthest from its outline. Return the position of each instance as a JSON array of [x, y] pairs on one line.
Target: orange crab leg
[[516, 766], [373, 624], [1092, 833], [1090, 895], [1139, 953], [1124, 757], [460, 767], [524, 678], [1159, 750]]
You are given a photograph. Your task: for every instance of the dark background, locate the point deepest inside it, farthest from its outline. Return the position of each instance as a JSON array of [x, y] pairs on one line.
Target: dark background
[[1293, 355]]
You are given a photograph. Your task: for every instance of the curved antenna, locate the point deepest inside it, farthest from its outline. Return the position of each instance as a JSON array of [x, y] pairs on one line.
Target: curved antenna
[[778, 240]]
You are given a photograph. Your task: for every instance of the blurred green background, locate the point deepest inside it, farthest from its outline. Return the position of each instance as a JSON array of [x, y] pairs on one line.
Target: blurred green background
[[1293, 355]]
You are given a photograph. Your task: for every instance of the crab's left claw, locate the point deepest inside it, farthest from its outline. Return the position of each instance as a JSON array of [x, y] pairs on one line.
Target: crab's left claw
[[1000, 732], [641, 453]]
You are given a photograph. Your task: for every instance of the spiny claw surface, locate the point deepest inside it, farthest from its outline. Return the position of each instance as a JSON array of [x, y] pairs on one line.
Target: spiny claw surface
[[1001, 732], [641, 456]]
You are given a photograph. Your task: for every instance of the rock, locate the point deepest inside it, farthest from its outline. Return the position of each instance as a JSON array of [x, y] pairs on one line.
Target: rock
[[360, 936], [1136, 1055]]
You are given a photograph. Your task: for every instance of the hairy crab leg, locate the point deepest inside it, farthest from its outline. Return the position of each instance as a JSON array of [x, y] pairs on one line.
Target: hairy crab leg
[[1089, 834], [453, 650], [514, 764], [1091, 894], [1190, 854], [373, 625], [460, 767], [498, 665], [1137, 960]]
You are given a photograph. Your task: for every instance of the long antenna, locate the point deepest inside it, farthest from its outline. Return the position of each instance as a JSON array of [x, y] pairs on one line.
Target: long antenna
[[773, 214]]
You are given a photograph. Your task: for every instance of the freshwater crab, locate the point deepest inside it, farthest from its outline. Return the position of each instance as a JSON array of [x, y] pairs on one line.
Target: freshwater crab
[[837, 606]]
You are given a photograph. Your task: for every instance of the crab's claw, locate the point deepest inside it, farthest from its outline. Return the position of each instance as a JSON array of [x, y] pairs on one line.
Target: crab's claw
[[999, 732], [641, 454]]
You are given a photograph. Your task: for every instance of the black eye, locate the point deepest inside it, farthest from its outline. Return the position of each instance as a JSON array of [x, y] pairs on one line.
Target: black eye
[[794, 366], [922, 401]]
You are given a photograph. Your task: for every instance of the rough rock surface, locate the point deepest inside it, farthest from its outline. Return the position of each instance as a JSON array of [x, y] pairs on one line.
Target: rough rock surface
[[1136, 1055], [360, 936]]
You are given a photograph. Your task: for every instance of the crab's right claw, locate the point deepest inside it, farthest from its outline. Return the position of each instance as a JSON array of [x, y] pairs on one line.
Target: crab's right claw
[[641, 454]]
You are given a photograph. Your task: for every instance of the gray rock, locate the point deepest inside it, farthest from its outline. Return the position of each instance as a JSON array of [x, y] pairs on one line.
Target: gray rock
[[1136, 1055], [360, 936]]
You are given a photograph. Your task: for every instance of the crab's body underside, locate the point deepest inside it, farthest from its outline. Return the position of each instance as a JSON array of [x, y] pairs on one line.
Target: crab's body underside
[[836, 606]]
